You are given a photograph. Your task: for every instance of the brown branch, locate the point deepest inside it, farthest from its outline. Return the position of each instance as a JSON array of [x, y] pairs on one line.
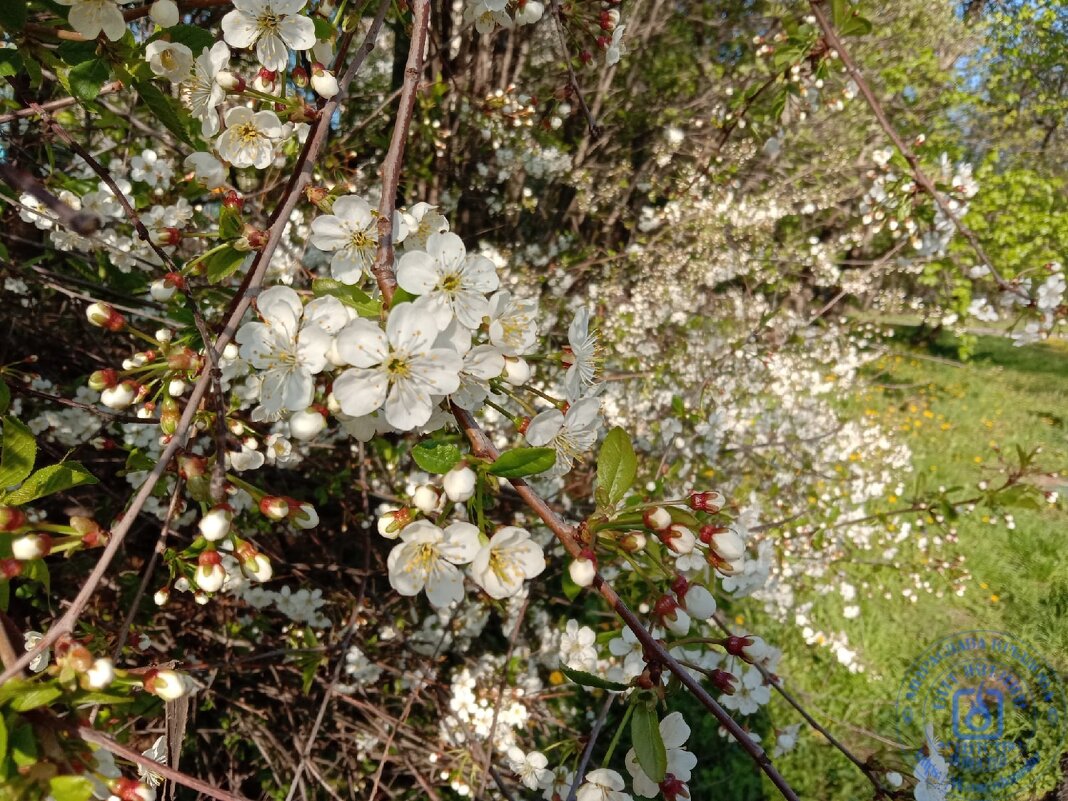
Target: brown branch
[[305, 162], [391, 167], [91, 735], [595, 129], [921, 177], [483, 447], [81, 222], [56, 105], [587, 752]]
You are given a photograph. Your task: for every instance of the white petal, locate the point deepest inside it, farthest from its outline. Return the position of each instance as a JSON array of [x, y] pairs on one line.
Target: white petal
[[362, 343], [360, 392], [448, 249], [239, 29], [544, 426], [298, 32], [417, 272], [461, 543], [271, 52], [445, 585]]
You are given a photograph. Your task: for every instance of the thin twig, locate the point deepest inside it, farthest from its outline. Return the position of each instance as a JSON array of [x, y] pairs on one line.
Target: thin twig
[[391, 167], [595, 129], [91, 735], [921, 177], [587, 752], [56, 105]]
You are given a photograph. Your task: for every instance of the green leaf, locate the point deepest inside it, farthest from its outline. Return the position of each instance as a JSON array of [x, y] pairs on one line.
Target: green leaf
[[192, 36], [10, 62], [323, 30], [616, 465], [76, 52], [352, 296], [221, 264], [70, 788], [436, 457], [230, 223], [86, 78], [571, 589], [13, 15], [34, 698], [856, 25], [590, 680], [5, 397], [3, 738], [20, 450], [647, 742], [520, 462], [163, 107], [23, 745], [48, 481]]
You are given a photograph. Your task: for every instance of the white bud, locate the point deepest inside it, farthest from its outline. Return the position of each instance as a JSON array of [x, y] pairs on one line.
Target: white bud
[[164, 13], [161, 291], [210, 578], [426, 498], [170, 685], [119, 396], [582, 571], [680, 539], [101, 674], [324, 83], [699, 602], [216, 524], [658, 519], [305, 516], [176, 388], [757, 651], [305, 425], [259, 567], [227, 80], [162, 596], [459, 483], [164, 336], [679, 623], [516, 371], [31, 546], [728, 546], [893, 778], [98, 313]]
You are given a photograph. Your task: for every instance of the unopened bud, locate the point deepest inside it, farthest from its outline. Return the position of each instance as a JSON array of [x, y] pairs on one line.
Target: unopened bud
[[11, 518], [459, 483], [299, 76], [426, 498], [391, 523], [100, 675], [230, 82], [306, 424], [120, 396], [31, 546], [104, 316], [215, 525], [274, 508], [657, 518], [323, 82], [583, 570], [210, 574], [169, 685]]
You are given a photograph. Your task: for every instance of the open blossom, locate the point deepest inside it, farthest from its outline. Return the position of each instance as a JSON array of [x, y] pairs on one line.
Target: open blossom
[[751, 694], [450, 283], [422, 220], [427, 557], [487, 14], [249, 138], [350, 232], [170, 60], [91, 17], [509, 558], [202, 92], [513, 323], [529, 12], [602, 785], [680, 763], [157, 752], [288, 346], [531, 768], [570, 435], [274, 26], [616, 49], [150, 168], [577, 649], [398, 370], [208, 169], [582, 347]]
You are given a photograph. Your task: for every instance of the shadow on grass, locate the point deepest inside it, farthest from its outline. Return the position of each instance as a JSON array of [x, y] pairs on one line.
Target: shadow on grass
[[993, 351]]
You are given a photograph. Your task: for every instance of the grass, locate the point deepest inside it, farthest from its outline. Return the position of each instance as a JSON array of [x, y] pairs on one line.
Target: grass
[[963, 422]]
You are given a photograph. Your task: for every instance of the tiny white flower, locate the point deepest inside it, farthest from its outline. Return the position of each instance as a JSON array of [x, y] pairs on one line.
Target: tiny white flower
[[616, 49], [531, 768], [201, 92], [398, 370], [577, 649], [427, 557], [208, 169], [157, 752], [513, 323], [449, 282], [506, 561], [273, 26], [91, 17], [570, 435], [148, 167], [350, 232], [422, 220], [170, 60], [249, 138], [602, 785]]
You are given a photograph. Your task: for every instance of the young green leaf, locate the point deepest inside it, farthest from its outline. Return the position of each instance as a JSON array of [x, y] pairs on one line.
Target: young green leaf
[[5, 397], [617, 465], [86, 78], [163, 108], [48, 481], [520, 462], [221, 264], [647, 742], [20, 450], [436, 457], [590, 680], [35, 697], [353, 296], [70, 788]]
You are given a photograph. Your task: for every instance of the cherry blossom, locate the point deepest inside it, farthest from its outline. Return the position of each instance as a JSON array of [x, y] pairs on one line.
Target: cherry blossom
[[427, 557], [602, 785], [170, 60], [289, 348], [249, 138], [680, 763], [201, 92], [513, 326], [570, 435], [583, 351], [450, 283], [506, 561], [398, 370], [273, 26], [350, 232], [90, 18]]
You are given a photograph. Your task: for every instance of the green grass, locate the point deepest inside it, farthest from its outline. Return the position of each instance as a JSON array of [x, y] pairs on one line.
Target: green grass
[[963, 422]]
